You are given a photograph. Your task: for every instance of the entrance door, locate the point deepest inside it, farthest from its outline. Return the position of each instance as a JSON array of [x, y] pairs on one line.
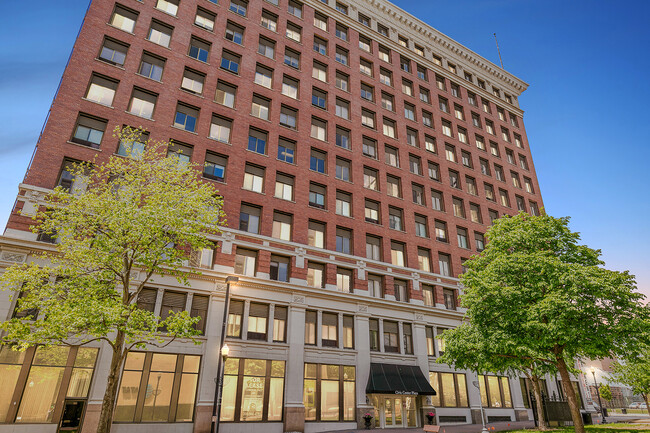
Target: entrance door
[[397, 411], [73, 412]]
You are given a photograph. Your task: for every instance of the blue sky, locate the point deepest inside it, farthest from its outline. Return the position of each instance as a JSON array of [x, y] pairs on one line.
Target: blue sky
[[586, 108]]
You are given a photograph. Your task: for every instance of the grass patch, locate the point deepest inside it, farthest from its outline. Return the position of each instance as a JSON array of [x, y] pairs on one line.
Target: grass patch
[[607, 428]]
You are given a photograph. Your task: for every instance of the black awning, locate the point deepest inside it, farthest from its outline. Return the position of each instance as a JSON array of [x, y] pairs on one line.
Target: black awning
[[397, 379]]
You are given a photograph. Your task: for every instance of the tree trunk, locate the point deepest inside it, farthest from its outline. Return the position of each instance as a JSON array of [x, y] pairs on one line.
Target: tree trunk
[[108, 405], [645, 398], [570, 394], [541, 424]]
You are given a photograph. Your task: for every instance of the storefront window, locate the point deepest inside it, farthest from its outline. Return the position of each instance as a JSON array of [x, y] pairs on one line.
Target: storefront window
[[451, 389], [253, 390], [329, 393], [157, 387], [10, 365], [495, 391]]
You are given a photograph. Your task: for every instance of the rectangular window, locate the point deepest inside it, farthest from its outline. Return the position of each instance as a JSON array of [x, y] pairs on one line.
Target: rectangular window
[[249, 218], [282, 225], [279, 268], [444, 264], [239, 7], [317, 196], [451, 387], [101, 89], [160, 33], [230, 62], [391, 337], [329, 392], [310, 327], [344, 280], [393, 186], [260, 107], [421, 226], [342, 56], [151, 66], [391, 156], [343, 108], [424, 259], [343, 204], [373, 247], [193, 81], [343, 240], [220, 129], [113, 51], [123, 18], [395, 218], [294, 32], [204, 19], [199, 49], [318, 161], [329, 330], [407, 333], [428, 295], [269, 21], [215, 166], [374, 334], [315, 273], [295, 8], [316, 234], [320, 21], [398, 253], [365, 67], [495, 391], [142, 103], [186, 117], [386, 77], [343, 169], [319, 131], [342, 81], [437, 202], [320, 45], [89, 131]]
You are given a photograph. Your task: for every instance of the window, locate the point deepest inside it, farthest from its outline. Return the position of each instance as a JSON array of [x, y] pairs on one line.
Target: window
[[505, 135], [266, 48], [319, 98], [444, 264], [254, 178], [475, 213], [437, 59], [479, 240], [489, 192], [515, 180], [310, 327], [246, 380], [367, 92], [220, 129], [341, 32], [343, 240], [398, 253], [365, 43], [342, 8], [316, 234], [89, 131], [434, 171], [342, 81], [407, 87], [458, 112], [225, 94], [395, 218], [480, 143], [534, 210], [393, 186], [459, 207], [133, 148], [405, 64], [414, 165], [318, 161], [391, 341], [386, 77], [329, 329], [485, 167], [446, 128], [113, 52], [319, 71], [391, 156], [489, 126], [295, 8], [318, 129], [204, 19], [199, 49], [288, 117], [368, 118], [172, 302], [317, 196], [373, 247], [230, 62], [257, 141], [471, 98], [342, 138], [341, 56], [425, 95], [493, 215], [269, 21], [343, 168], [239, 7], [441, 231], [286, 150], [263, 76], [294, 32], [462, 237], [528, 184], [343, 281], [292, 58], [123, 18], [186, 117], [279, 269], [424, 259], [495, 391], [320, 21], [440, 83], [374, 333], [521, 203], [290, 87], [244, 265], [282, 226], [343, 203], [437, 202], [193, 81], [160, 33], [498, 173], [409, 111], [369, 147], [421, 226], [182, 153], [320, 45], [504, 199], [466, 159], [329, 392], [522, 162], [468, 76], [342, 108], [422, 72], [249, 218], [455, 90], [101, 89], [451, 387], [215, 166], [389, 128], [365, 67], [200, 309], [315, 274], [372, 212], [151, 66], [260, 107]]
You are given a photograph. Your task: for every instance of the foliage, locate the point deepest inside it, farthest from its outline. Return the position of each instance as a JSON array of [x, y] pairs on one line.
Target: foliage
[[535, 294], [605, 391], [131, 219], [635, 373]]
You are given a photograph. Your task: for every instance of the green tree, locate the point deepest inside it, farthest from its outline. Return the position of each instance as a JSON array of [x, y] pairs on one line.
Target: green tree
[[635, 373], [605, 391], [541, 296], [136, 217], [467, 347]]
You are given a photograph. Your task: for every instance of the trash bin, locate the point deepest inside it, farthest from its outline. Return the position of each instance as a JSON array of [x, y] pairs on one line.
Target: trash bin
[[586, 418], [624, 411]]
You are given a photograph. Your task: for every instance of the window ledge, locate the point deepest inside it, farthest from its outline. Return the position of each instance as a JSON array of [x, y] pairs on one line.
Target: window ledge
[[82, 146]]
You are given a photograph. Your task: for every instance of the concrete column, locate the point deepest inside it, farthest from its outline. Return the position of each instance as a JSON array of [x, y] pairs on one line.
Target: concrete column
[[158, 306], [435, 341], [420, 347], [294, 409], [244, 320], [340, 331], [362, 343], [400, 336], [319, 328], [381, 335]]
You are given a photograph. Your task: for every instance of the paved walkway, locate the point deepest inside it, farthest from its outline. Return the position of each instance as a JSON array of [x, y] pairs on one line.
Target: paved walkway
[[461, 428]]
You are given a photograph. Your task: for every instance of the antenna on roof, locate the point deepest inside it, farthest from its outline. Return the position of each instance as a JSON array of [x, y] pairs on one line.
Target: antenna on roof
[[498, 50]]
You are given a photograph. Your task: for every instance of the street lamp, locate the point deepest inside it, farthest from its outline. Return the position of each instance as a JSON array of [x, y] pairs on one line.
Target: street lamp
[[602, 409], [476, 384], [225, 350]]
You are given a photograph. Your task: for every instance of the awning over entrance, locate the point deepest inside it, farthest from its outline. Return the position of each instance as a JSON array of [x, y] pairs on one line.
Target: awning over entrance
[[397, 379]]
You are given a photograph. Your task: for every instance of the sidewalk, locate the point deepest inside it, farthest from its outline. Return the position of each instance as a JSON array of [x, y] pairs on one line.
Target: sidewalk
[[462, 428]]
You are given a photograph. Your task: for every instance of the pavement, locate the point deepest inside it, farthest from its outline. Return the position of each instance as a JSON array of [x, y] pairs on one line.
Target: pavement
[[460, 428]]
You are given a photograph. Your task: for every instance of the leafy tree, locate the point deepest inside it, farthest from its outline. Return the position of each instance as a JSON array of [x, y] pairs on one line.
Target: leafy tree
[[467, 347], [136, 215], [541, 296], [605, 391], [635, 373]]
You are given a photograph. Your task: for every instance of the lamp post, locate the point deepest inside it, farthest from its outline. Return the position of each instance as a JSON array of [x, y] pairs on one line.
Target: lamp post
[[478, 386], [216, 407], [602, 409]]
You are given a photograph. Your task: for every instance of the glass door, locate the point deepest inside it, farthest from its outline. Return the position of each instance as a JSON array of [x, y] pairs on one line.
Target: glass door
[[73, 411], [397, 412]]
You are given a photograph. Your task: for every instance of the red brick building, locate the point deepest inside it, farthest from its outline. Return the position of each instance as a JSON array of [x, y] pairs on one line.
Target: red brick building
[[361, 155]]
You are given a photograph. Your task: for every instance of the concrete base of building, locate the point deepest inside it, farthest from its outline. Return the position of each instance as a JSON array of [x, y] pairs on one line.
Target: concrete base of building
[[294, 419], [476, 416], [203, 419], [521, 415], [462, 428], [91, 418]]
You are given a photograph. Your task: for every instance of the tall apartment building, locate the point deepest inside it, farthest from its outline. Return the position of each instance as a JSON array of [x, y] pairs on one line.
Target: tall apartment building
[[362, 156]]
